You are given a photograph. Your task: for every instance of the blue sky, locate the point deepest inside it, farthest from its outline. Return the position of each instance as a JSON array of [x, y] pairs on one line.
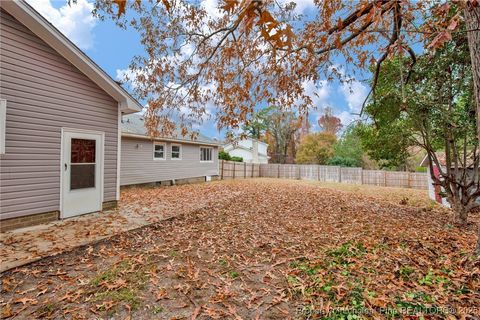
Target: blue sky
[[113, 48]]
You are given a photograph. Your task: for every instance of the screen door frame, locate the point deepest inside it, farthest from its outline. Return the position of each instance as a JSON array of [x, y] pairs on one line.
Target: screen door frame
[[93, 197]]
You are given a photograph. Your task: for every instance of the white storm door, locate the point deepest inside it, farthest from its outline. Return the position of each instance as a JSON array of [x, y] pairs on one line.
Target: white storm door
[[82, 172]]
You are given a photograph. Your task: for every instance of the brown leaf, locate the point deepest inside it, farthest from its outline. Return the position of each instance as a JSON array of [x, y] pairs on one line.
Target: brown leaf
[[24, 301], [7, 311]]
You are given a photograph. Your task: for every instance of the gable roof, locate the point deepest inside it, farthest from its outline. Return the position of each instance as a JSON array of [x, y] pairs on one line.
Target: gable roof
[[133, 125], [442, 159], [34, 21]]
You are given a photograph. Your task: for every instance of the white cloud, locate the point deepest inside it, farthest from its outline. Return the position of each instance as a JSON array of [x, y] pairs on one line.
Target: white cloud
[[346, 117], [354, 93], [319, 92], [301, 5], [75, 21], [212, 8], [127, 75]]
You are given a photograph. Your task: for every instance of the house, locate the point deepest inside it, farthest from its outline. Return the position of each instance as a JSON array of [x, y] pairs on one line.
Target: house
[[251, 150], [436, 192], [60, 118], [176, 159]]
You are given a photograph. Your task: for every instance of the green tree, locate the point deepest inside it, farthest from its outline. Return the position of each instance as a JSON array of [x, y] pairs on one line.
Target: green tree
[[258, 124], [435, 111], [315, 148], [348, 151]]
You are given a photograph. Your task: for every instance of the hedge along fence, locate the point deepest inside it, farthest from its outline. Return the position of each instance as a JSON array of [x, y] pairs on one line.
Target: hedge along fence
[[241, 170]]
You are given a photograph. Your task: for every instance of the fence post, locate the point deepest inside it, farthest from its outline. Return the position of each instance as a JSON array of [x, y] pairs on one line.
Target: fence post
[[409, 180], [298, 174], [339, 174], [361, 175], [253, 168], [244, 170], [278, 171], [221, 174], [234, 170], [384, 178], [318, 172]]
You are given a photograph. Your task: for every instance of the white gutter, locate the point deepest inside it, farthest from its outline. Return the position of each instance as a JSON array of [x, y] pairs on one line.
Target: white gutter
[[139, 136]]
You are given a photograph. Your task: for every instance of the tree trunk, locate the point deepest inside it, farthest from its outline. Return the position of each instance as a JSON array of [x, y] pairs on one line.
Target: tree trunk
[[461, 213], [477, 249], [472, 21]]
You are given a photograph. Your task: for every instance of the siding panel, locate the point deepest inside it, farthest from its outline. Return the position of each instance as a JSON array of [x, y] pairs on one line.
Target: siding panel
[[138, 166], [44, 93]]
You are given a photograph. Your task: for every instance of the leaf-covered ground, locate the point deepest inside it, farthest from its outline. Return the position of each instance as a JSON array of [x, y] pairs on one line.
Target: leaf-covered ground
[[274, 250]]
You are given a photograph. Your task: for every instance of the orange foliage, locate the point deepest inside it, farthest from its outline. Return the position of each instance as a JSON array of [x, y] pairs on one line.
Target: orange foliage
[[252, 52]]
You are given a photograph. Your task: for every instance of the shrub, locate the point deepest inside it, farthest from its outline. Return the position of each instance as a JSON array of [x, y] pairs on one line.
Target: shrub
[[343, 162], [222, 155], [236, 159]]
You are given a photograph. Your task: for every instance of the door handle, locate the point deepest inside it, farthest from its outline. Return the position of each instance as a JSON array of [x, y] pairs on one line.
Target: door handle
[[65, 167]]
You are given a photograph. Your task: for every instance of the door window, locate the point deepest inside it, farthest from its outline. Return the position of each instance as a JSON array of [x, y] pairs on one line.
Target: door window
[[82, 162]]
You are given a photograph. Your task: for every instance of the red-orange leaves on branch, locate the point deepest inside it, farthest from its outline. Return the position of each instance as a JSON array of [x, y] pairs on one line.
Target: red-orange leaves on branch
[[229, 5], [328, 123], [121, 4], [223, 63], [440, 40]]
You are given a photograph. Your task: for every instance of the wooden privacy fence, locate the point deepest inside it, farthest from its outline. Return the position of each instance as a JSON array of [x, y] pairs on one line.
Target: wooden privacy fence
[[238, 170], [241, 170]]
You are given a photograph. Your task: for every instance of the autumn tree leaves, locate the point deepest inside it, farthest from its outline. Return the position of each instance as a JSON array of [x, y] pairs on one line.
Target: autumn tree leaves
[[249, 53]]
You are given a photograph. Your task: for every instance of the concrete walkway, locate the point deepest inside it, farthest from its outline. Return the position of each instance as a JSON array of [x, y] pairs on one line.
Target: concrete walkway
[[25, 245], [140, 207]]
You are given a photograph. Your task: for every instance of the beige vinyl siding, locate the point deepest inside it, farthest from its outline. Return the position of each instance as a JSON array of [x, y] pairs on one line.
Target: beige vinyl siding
[[138, 166], [44, 93]]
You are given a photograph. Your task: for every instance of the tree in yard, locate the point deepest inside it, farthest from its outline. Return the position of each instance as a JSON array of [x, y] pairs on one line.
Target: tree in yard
[[435, 111], [387, 143], [348, 150], [258, 124], [315, 148], [281, 130], [249, 53], [328, 123]]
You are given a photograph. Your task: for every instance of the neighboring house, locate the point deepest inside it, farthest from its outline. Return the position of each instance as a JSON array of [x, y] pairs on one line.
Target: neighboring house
[[251, 150], [59, 124], [436, 192], [164, 159]]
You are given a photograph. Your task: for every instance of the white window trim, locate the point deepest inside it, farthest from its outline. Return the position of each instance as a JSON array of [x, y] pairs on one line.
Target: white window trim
[[164, 151], [171, 151], [3, 124], [200, 154]]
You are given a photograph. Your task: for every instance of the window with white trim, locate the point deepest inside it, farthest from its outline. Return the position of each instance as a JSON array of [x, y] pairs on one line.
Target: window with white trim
[[159, 151], [206, 154], [176, 151], [3, 124]]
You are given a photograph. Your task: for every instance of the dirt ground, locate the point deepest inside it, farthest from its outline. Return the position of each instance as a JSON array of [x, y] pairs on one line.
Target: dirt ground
[[274, 249]]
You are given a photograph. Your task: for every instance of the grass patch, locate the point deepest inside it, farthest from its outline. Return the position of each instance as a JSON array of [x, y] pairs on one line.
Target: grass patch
[[124, 295], [46, 310], [157, 309], [121, 284], [331, 278]]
